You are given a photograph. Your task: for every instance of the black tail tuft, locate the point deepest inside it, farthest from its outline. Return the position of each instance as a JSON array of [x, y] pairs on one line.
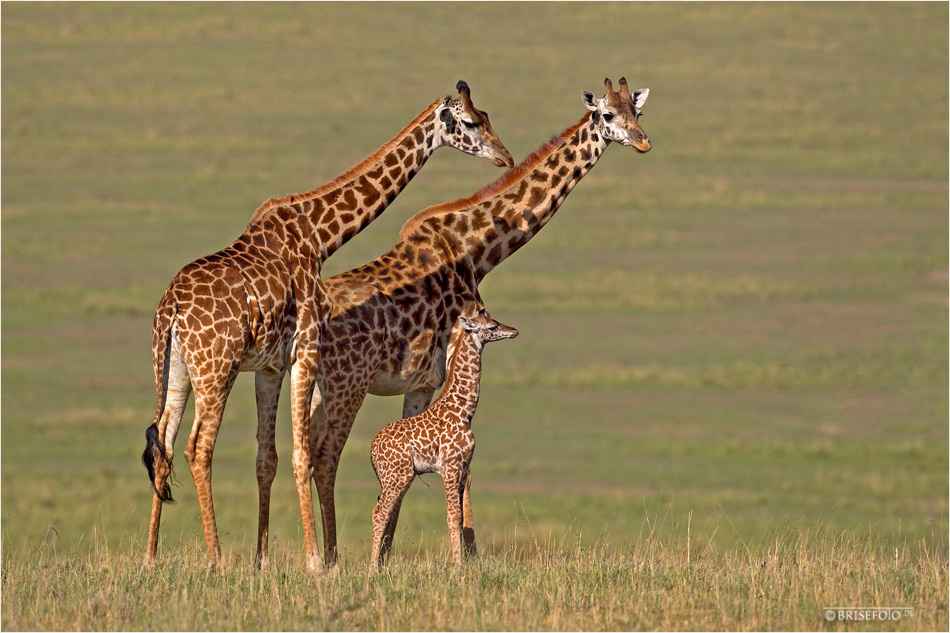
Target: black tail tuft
[[148, 458]]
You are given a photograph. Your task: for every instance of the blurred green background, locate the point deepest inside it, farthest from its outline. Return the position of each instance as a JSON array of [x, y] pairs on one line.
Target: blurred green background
[[745, 328]]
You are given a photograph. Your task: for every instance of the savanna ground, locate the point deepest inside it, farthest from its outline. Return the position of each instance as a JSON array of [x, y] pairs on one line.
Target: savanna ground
[[727, 408]]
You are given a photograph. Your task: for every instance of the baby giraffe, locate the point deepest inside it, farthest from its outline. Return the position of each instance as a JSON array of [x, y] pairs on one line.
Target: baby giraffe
[[438, 440]]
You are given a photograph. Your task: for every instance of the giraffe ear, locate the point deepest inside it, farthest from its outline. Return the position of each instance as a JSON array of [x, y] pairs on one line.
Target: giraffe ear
[[640, 97], [468, 325], [590, 101]]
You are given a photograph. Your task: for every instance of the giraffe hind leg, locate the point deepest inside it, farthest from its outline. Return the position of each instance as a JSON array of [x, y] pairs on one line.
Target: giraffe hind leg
[[468, 523], [155, 452], [342, 397], [159, 449], [267, 388], [394, 485], [210, 400]]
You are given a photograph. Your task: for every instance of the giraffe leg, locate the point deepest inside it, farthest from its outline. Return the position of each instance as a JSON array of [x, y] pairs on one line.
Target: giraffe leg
[[210, 399], [177, 392], [454, 481], [468, 524], [304, 394], [389, 535], [325, 478], [267, 389], [386, 513], [342, 398]]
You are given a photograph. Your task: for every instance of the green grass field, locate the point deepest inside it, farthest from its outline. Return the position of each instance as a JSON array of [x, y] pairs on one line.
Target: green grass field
[[727, 408]]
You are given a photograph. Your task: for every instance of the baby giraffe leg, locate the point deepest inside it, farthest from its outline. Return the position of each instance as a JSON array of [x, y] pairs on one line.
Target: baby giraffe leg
[[390, 532], [468, 523], [454, 488], [386, 513]]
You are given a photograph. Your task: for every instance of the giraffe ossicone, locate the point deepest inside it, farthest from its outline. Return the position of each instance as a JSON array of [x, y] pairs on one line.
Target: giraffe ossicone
[[260, 305]]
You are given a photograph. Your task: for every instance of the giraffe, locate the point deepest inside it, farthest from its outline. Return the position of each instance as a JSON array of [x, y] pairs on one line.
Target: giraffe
[[437, 440], [260, 305], [389, 331]]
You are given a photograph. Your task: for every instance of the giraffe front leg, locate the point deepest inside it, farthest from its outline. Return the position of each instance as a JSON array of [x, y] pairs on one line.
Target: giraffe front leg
[[304, 392], [454, 483], [267, 390]]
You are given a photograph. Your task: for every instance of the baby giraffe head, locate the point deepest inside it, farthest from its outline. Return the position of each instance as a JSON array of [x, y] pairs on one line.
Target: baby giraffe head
[[483, 328]]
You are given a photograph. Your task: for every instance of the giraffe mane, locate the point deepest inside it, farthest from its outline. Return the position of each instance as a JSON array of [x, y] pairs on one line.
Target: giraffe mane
[[503, 183], [357, 170]]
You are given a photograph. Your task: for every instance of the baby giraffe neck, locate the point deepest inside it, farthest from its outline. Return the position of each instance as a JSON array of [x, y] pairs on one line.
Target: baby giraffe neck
[[462, 383]]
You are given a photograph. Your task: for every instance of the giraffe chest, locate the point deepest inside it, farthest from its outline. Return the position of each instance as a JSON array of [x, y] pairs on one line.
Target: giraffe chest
[[451, 446]]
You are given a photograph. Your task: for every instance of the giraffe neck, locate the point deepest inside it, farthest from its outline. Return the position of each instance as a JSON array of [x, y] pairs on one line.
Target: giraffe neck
[[523, 209], [462, 382], [340, 209], [497, 220]]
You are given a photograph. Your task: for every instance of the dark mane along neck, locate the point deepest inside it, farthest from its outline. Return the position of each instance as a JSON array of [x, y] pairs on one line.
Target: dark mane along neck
[[507, 180], [351, 174]]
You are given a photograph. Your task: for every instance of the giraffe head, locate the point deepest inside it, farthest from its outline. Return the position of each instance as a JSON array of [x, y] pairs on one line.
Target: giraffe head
[[466, 128], [617, 115], [482, 327]]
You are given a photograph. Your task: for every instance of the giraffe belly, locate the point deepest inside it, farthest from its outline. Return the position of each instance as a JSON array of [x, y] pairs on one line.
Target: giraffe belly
[[272, 358], [389, 384], [427, 463], [427, 376]]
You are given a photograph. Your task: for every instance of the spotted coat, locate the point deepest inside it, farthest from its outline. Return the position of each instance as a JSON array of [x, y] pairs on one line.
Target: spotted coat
[[260, 305], [438, 440], [389, 333]]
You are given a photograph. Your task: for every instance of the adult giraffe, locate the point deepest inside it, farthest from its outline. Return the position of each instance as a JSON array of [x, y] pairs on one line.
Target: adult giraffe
[[390, 328], [260, 305]]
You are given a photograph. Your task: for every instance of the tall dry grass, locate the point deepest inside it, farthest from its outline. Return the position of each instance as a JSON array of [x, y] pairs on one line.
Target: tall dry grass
[[675, 582]]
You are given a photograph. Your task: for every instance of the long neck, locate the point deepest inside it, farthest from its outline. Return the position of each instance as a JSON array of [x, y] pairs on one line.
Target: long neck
[[461, 385], [340, 209], [525, 208], [491, 224]]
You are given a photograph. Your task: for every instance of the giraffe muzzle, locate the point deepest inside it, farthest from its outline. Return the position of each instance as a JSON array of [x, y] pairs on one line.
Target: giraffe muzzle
[[502, 157]]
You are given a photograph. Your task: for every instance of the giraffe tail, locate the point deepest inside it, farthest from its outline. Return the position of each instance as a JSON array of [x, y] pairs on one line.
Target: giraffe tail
[[161, 346]]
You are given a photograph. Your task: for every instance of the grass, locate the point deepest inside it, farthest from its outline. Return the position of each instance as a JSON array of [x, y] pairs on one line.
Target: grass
[[672, 582], [733, 349]]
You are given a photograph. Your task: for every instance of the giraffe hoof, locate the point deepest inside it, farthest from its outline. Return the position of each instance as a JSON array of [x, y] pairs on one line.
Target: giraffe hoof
[[315, 565]]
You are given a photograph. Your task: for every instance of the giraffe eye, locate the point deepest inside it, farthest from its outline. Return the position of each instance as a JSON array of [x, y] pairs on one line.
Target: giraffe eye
[[469, 124], [608, 117]]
